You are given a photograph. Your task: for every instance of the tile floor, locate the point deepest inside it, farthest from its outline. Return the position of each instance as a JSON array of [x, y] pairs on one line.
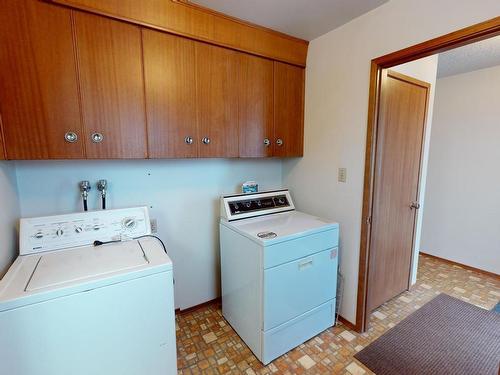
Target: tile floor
[[208, 345]]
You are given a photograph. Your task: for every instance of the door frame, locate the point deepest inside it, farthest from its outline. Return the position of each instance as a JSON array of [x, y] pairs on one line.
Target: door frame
[[471, 34]]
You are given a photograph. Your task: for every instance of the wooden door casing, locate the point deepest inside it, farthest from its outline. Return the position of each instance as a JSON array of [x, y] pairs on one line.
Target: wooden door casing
[[288, 110], [112, 86], [170, 72], [38, 81], [217, 100], [2, 146], [256, 110], [402, 116]]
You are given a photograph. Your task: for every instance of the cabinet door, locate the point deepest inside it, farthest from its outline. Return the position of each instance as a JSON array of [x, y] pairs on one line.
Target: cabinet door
[[38, 81], [169, 71], [288, 110], [256, 106], [112, 87], [217, 100]]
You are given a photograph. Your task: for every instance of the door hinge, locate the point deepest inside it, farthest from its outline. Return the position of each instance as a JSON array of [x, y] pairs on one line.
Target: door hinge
[[369, 220]]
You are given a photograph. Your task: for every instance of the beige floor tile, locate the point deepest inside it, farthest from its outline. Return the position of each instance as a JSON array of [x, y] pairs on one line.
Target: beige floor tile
[[206, 344]]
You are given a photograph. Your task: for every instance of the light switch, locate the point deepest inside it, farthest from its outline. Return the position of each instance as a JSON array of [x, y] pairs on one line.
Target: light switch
[[342, 174]]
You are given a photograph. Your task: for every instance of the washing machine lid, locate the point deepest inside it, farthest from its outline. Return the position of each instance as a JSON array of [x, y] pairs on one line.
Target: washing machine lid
[[58, 268], [275, 228], [41, 277]]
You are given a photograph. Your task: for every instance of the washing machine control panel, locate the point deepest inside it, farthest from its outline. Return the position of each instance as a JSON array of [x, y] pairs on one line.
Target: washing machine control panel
[[79, 229]]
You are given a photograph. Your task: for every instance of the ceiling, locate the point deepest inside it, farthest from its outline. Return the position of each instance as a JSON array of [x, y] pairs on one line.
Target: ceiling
[[479, 55], [305, 19]]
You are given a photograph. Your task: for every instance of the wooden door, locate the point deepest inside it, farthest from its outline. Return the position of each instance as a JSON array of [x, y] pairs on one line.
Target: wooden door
[[38, 81], [401, 124], [217, 100], [169, 70], [112, 87], [288, 110], [256, 106]]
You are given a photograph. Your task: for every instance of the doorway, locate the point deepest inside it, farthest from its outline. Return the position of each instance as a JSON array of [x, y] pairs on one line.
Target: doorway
[[401, 123], [373, 216]]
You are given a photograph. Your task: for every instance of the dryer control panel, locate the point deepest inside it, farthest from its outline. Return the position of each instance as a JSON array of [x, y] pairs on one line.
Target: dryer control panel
[[242, 206], [48, 233]]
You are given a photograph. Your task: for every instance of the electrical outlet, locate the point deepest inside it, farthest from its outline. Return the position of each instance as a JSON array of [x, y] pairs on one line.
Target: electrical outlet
[[154, 226], [342, 174]]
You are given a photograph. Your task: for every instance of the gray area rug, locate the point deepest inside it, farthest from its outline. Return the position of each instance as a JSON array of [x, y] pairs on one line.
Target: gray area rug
[[445, 336]]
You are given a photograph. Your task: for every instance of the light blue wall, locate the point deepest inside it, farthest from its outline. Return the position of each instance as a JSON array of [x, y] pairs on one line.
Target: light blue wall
[[9, 213], [183, 196]]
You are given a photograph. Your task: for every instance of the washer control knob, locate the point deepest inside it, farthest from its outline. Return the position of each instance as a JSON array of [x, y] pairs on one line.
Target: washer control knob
[[96, 227], [78, 230], [248, 204], [59, 232], [38, 235], [129, 223]]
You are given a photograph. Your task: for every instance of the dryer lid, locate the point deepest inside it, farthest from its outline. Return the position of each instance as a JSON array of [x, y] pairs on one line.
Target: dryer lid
[[61, 267]]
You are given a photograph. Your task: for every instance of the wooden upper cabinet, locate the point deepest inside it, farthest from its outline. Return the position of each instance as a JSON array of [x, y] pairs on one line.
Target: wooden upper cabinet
[[169, 70], [38, 81], [288, 110], [182, 17], [112, 87], [217, 100], [255, 106]]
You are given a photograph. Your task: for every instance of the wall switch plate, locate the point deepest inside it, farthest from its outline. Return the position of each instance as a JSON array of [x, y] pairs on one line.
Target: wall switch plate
[[342, 174], [154, 225]]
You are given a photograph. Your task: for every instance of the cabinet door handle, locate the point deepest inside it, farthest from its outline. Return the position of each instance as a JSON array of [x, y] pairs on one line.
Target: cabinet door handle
[[206, 140], [71, 137], [267, 142], [188, 140], [279, 142], [97, 137]]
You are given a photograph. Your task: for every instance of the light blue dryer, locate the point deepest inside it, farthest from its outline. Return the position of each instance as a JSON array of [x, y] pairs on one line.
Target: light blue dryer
[[279, 272]]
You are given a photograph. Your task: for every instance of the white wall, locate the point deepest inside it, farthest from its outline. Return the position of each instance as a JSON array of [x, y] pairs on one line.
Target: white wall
[[183, 196], [9, 215], [425, 70], [461, 220], [337, 82]]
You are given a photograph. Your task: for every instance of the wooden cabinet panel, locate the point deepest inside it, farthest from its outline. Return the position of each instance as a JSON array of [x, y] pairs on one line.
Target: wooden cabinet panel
[[185, 18], [38, 81], [169, 70], [217, 100], [255, 106], [112, 86], [288, 109]]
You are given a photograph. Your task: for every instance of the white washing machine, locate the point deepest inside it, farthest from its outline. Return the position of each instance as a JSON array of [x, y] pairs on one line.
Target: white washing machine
[[70, 307], [279, 272]]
